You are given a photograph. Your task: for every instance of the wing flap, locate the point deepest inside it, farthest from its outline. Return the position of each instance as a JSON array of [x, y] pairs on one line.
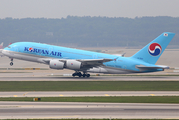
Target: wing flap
[[94, 61]]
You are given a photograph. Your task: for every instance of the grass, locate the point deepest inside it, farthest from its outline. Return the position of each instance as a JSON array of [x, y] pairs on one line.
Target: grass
[[121, 99], [89, 85], [92, 119]]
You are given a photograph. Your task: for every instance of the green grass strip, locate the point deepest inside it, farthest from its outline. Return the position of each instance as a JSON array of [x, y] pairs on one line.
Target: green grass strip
[[89, 85], [122, 99], [90, 119]]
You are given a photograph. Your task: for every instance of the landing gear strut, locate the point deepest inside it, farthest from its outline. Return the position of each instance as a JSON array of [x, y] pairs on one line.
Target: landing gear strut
[[80, 75], [11, 63]]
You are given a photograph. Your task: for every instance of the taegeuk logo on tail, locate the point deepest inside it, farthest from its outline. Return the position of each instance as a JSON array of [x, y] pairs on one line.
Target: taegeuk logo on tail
[[155, 49]]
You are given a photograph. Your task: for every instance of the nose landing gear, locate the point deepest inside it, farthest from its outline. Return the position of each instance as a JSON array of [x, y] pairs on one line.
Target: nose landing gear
[[11, 63]]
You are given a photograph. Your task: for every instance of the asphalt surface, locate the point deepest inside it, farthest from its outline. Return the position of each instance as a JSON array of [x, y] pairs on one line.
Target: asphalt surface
[[24, 110], [88, 93], [92, 78]]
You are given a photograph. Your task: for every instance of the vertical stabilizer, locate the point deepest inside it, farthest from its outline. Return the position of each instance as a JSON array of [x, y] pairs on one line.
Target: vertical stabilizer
[[152, 52], [1, 45]]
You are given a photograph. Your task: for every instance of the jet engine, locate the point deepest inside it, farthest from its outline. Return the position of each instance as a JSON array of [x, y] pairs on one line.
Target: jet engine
[[56, 64], [73, 64]]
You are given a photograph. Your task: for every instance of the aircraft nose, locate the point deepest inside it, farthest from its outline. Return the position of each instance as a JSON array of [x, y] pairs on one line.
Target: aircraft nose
[[2, 51]]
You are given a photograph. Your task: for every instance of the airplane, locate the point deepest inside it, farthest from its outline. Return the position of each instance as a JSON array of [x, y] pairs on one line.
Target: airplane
[[1, 45], [84, 62], [1, 48]]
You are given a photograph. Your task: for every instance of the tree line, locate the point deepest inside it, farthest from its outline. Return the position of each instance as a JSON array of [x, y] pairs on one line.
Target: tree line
[[89, 31]]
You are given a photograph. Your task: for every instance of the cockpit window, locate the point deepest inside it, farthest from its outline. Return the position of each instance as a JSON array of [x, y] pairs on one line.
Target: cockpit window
[[9, 46]]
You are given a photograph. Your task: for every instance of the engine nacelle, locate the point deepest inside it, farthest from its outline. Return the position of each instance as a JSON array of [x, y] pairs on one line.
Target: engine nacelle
[[56, 64], [73, 64]]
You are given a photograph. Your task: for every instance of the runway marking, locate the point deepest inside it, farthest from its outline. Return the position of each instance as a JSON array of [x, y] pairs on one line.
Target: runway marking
[[60, 95], [15, 95], [106, 94], [152, 94], [75, 116], [25, 93]]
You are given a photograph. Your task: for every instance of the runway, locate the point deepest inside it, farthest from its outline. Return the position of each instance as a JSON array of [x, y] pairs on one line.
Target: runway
[[92, 78], [88, 93], [33, 110]]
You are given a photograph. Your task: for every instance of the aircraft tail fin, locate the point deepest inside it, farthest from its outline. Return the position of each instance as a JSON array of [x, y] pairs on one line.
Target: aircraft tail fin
[[1, 45], [152, 51]]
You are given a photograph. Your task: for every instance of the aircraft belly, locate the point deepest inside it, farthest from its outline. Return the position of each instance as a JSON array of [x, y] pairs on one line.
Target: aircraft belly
[[27, 58], [109, 70]]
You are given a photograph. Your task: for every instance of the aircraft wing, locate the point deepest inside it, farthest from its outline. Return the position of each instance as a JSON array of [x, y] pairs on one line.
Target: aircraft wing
[[142, 67], [86, 63], [122, 55], [90, 63], [94, 61]]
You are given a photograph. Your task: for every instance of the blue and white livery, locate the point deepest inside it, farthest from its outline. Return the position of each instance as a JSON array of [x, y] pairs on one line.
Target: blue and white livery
[[83, 62]]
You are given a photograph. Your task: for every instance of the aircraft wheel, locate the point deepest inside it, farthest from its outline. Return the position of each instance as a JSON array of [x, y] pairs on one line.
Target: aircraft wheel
[[88, 75], [11, 64], [79, 74], [74, 74], [84, 75]]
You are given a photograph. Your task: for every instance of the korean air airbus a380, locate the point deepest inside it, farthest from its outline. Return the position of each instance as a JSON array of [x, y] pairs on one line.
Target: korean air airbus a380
[[83, 62]]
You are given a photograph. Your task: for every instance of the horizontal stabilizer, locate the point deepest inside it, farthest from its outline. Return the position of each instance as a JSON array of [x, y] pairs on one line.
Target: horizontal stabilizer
[[142, 67]]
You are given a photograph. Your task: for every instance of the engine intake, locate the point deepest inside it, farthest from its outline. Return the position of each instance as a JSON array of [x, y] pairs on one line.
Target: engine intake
[[56, 64]]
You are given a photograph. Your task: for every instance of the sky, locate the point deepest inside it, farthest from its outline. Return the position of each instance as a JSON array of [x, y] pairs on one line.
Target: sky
[[109, 8]]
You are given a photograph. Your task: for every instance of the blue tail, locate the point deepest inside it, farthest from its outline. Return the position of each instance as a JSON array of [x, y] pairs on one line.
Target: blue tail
[[151, 52]]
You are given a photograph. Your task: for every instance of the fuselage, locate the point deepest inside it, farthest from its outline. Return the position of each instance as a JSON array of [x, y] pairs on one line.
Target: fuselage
[[37, 52]]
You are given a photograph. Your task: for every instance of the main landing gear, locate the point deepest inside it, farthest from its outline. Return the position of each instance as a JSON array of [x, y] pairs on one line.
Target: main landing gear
[[80, 75], [11, 63]]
